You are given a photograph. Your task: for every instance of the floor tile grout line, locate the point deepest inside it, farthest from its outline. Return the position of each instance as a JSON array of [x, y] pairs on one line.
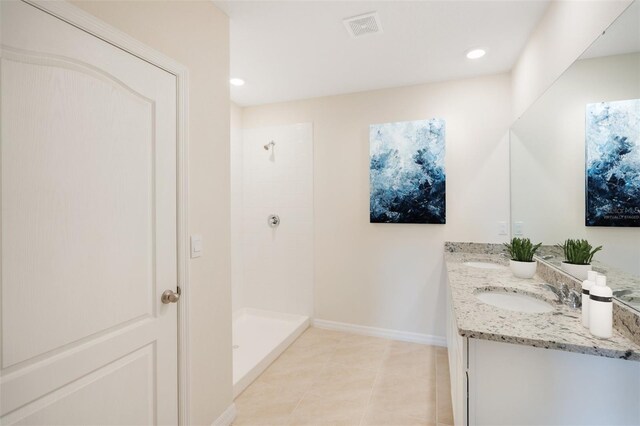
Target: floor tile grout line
[[324, 365], [375, 382], [418, 418]]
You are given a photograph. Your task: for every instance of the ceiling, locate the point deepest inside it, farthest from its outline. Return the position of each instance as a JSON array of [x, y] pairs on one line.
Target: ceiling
[[288, 50]]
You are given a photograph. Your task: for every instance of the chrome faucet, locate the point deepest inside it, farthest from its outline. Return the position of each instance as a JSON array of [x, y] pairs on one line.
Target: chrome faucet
[[571, 298], [620, 293]]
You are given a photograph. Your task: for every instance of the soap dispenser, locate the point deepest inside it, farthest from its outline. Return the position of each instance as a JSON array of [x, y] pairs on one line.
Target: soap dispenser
[[586, 287], [601, 309]]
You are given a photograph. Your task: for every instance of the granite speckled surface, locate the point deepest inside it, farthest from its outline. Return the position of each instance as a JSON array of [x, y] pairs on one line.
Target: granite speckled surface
[[626, 286], [559, 329], [626, 319]]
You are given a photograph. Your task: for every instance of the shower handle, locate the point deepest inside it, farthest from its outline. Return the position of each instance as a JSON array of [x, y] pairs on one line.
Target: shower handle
[[273, 220]]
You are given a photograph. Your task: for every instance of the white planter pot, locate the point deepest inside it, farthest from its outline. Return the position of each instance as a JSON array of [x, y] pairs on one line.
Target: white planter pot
[[523, 269], [578, 271]]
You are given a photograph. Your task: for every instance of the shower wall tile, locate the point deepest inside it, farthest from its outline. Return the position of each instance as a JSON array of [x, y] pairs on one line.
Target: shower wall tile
[[278, 263]]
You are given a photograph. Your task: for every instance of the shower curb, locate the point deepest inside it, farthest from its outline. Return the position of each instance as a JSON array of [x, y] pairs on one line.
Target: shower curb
[[227, 417]]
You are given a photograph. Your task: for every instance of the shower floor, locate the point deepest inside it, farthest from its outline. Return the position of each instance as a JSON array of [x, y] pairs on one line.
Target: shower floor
[[259, 337]]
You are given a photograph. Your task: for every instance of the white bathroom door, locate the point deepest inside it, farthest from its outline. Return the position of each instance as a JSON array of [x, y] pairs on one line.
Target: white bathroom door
[[88, 169]]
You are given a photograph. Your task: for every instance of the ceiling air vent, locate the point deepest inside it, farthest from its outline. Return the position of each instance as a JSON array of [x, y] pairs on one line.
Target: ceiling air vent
[[362, 25]]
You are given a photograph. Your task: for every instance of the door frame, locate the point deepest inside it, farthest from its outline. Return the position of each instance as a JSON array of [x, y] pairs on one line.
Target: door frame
[[92, 25]]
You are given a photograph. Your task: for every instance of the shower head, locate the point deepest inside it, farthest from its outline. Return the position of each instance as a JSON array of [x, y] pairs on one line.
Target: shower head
[[269, 145]]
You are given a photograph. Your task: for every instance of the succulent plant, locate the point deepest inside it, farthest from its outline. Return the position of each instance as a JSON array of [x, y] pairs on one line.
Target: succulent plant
[[578, 252], [521, 249]]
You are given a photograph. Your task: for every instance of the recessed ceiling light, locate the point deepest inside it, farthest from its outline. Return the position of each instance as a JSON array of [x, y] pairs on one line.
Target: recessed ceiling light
[[237, 82], [476, 53]]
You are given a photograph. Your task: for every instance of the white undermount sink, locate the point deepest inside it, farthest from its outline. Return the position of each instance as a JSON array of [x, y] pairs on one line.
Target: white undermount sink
[[483, 265], [517, 302]]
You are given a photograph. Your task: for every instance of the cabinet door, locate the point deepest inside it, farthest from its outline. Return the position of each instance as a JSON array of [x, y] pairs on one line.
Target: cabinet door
[[517, 384], [457, 348]]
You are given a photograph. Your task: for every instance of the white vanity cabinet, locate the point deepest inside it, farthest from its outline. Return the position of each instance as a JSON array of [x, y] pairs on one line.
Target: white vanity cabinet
[[457, 348], [494, 383]]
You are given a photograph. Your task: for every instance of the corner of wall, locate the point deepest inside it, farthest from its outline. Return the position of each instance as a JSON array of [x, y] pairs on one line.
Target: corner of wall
[[565, 31]]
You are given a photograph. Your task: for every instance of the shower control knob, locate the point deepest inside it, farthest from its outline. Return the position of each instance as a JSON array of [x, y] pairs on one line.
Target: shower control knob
[[273, 220]]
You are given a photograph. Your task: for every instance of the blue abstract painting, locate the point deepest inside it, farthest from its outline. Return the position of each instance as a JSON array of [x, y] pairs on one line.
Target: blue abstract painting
[[613, 164], [407, 173]]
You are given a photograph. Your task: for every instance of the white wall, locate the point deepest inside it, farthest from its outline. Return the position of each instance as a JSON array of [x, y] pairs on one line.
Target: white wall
[[196, 34], [388, 275], [548, 146], [567, 28], [277, 263], [237, 300]]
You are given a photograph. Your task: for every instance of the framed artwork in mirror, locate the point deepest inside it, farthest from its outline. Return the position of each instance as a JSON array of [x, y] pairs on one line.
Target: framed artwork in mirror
[[613, 163]]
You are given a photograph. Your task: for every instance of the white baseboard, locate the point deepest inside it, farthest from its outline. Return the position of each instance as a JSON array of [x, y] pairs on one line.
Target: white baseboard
[[405, 336], [227, 417]]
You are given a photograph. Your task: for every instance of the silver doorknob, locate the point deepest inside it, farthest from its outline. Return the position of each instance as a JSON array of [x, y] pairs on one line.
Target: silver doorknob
[[169, 296]]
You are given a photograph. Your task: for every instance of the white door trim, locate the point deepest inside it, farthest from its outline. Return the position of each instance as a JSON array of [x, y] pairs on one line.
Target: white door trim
[[89, 23]]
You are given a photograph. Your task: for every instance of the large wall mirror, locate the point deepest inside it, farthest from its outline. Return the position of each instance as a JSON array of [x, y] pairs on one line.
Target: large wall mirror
[[575, 159]]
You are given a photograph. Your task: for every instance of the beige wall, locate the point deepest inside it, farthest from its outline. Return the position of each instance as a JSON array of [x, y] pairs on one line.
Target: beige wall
[[237, 270], [196, 34], [567, 28], [385, 275]]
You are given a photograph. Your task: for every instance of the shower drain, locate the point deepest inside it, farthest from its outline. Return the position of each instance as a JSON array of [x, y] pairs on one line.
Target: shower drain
[[235, 346]]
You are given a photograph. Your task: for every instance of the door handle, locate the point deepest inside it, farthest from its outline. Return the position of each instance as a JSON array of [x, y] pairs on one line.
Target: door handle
[[169, 296]]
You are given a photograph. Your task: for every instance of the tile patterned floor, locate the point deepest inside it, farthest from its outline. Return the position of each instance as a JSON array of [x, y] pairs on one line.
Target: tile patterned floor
[[333, 378]]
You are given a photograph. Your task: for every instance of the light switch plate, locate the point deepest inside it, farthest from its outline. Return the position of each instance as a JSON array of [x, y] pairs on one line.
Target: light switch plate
[[518, 228], [196, 246], [502, 228]]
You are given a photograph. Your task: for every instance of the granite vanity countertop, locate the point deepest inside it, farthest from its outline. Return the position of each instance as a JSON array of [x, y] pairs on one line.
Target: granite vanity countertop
[[559, 329], [624, 283]]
